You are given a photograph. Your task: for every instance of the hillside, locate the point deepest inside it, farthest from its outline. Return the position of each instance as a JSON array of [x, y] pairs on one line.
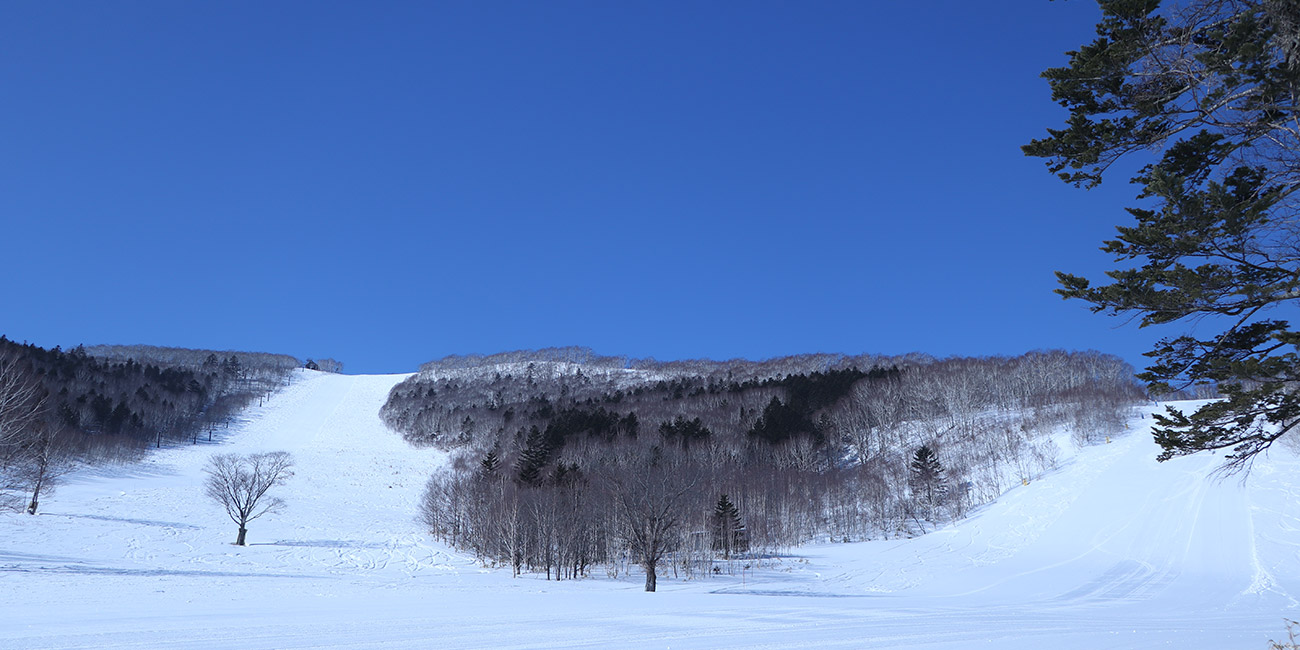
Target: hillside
[[106, 402], [1110, 550], [762, 456]]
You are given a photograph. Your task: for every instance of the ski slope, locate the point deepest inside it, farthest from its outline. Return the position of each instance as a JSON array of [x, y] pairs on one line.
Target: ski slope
[[1111, 551]]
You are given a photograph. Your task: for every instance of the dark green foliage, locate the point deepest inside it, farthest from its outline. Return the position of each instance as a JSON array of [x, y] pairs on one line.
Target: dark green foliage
[[1212, 87], [118, 418], [540, 407], [818, 390], [491, 461], [137, 401], [805, 395], [565, 425], [925, 475], [684, 431], [568, 404], [537, 452], [629, 426], [566, 475], [727, 530], [925, 466], [781, 421], [572, 422]]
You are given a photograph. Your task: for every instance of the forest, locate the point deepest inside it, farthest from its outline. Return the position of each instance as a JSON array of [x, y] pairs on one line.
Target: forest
[[112, 403], [565, 461]]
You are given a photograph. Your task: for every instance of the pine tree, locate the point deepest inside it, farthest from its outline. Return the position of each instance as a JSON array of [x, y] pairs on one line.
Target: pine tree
[[926, 479], [1210, 90], [684, 431], [492, 461], [728, 531], [566, 475], [535, 455], [629, 425], [781, 421]]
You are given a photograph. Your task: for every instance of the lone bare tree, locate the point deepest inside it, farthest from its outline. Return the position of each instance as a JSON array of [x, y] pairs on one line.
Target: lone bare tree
[[22, 401], [42, 462], [240, 483]]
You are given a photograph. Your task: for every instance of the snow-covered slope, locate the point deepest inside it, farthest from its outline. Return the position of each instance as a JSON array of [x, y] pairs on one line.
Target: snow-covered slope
[[1111, 551]]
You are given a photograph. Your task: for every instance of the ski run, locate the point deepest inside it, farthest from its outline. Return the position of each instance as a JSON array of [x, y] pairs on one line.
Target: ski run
[[1111, 550]]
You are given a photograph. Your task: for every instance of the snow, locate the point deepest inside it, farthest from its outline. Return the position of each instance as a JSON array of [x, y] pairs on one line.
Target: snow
[[1112, 550]]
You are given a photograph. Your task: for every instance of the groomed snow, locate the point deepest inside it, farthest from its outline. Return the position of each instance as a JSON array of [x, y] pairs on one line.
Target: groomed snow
[[1112, 551]]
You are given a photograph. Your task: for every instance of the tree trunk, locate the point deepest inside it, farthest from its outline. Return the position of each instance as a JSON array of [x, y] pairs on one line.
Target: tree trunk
[[242, 532], [36, 496], [650, 576]]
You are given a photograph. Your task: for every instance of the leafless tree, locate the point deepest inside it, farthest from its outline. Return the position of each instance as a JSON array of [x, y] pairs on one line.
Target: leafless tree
[[613, 493], [45, 458], [240, 484], [21, 401], [329, 365], [651, 498]]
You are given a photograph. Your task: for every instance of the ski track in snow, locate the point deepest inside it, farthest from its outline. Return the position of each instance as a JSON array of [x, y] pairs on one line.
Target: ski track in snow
[[1112, 550]]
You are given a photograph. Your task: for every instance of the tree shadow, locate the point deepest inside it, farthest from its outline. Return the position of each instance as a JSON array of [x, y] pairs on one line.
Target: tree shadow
[[127, 520]]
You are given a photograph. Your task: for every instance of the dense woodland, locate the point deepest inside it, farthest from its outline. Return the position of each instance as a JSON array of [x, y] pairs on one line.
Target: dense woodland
[[566, 461], [105, 403]]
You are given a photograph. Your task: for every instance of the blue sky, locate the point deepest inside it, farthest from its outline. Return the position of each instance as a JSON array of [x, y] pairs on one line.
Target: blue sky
[[387, 183]]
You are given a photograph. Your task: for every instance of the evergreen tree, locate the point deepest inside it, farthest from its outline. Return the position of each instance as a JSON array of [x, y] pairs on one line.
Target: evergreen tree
[[1212, 87], [231, 366], [684, 431], [780, 422], [727, 529], [534, 457], [925, 475], [566, 474], [629, 425], [492, 461]]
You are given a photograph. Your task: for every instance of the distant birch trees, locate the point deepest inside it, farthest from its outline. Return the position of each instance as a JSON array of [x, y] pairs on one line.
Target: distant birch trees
[[564, 466]]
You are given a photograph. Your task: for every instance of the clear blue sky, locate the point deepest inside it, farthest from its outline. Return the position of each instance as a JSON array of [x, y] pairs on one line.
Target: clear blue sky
[[387, 183]]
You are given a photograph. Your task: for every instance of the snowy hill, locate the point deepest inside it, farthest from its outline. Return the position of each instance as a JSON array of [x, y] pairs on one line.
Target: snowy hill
[[1111, 551]]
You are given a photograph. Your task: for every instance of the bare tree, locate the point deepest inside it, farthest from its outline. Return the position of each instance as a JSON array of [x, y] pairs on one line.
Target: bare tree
[[597, 492], [240, 484], [650, 497], [329, 365], [21, 401], [43, 460]]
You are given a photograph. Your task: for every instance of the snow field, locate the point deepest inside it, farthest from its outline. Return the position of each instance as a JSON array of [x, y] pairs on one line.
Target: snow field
[[1113, 550]]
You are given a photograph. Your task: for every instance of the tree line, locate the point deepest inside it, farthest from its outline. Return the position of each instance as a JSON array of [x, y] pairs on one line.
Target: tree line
[[109, 403]]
